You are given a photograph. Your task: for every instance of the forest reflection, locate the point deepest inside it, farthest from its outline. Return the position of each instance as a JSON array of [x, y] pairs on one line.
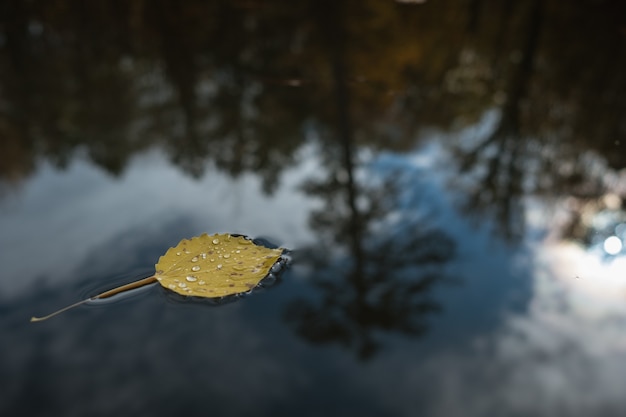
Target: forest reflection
[[237, 84], [242, 84]]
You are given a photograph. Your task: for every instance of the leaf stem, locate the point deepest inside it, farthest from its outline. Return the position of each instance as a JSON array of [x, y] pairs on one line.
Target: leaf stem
[[106, 294]]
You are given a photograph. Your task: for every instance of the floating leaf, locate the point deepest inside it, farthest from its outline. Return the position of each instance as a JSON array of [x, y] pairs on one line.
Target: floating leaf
[[204, 266], [215, 266]]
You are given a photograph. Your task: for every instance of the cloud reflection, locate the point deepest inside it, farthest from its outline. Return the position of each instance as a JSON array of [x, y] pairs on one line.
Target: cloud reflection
[[60, 217], [565, 355]]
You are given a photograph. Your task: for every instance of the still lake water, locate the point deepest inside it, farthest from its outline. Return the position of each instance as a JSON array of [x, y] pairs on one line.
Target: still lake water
[[450, 176]]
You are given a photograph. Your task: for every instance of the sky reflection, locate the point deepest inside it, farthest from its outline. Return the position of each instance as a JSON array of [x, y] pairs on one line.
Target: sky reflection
[[564, 355], [450, 178], [60, 217], [538, 326]]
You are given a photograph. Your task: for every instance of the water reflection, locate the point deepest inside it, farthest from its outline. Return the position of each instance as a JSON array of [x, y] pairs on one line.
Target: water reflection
[[322, 103], [371, 275], [216, 83], [503, 154], [373, 268]]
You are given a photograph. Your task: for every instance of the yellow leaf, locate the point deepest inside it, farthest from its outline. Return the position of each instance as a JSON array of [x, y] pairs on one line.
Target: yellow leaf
[[204, 266], [215, 266]]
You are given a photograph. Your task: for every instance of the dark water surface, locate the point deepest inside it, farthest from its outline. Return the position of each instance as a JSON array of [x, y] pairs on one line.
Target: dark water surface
[[451, 176]]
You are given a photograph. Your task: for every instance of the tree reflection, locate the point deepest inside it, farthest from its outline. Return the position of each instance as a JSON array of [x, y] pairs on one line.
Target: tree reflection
[[504, 153], [380, 283], [238, 84], [379, 273]]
